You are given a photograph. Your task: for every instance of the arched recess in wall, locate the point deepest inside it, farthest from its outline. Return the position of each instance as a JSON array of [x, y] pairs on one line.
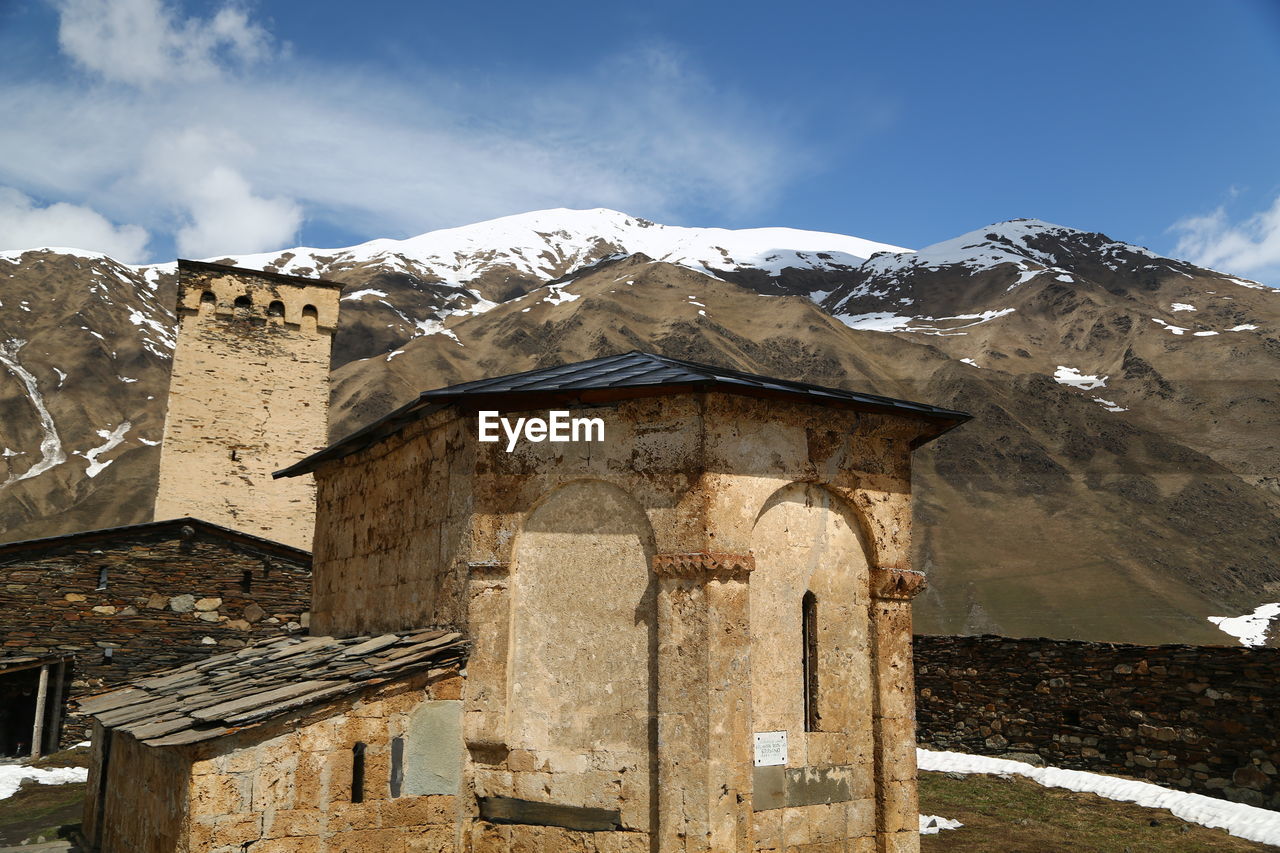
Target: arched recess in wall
[[275, 312], [243, 307], [208, 302], [581, 678], [310, 318], [810, 625]]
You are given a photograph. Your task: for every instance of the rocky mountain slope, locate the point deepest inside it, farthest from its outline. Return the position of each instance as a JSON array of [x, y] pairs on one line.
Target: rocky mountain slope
[[1118, 482]]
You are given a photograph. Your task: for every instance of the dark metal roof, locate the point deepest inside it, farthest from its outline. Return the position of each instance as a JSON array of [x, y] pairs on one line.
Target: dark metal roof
[[228, 692], [209, 266], [169, 529], [615, 377]]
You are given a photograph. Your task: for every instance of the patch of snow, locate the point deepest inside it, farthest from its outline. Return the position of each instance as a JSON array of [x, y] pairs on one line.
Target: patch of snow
[[557, 295], [15, 255], [1177, 330], [1243, 327], [1024, 276], [1109, 406], [931, 824], [394, 354], [879, 321], [884, 321], [154, 333], [1067, 277], [1070, 376], [113, 439], [50, 443], [361, 294], [7, 453], [126, 379], [148, 442], [13, 775], [1244, 282], [1251, 628], [1203, 334], [970, 362], [62, 377], [1182, 306], [1249, 822]]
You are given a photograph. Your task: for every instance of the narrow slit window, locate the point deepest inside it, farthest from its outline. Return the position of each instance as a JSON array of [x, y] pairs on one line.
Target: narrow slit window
[[246, 581], [108, 654], [102, 577], [357, 773], [809, 632], [397, 766]]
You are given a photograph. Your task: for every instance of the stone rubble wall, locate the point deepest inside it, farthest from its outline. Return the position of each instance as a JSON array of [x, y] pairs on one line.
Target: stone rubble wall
[[1195, 718], [166, 603]]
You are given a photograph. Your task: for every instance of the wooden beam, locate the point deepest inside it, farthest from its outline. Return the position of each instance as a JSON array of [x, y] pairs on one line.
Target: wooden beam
[[37, 730]]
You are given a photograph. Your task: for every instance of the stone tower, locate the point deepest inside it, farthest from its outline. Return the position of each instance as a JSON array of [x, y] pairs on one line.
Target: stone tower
[[249, 395]]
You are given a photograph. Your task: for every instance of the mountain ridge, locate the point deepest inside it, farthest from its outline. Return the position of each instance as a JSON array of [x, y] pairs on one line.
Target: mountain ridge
[[1126, 440]]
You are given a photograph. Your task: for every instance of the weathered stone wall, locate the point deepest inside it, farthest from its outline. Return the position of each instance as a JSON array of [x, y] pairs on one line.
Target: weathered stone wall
[[805, 540], [395, 518], [144, 805], [1199, 718], [433, 526], [248, 396], [287, 788], [169, 599]]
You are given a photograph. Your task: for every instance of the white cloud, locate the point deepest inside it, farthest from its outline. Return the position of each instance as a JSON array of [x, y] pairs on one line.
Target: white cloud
[[208, 158], [144, 41], [1250, 247], [26, 225], [230, 219]]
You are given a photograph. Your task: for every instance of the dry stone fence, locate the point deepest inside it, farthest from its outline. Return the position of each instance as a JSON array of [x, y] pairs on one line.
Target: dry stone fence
[[1196, 718]]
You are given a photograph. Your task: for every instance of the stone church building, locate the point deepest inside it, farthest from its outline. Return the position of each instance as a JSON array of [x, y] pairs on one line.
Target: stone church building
[[688, 629]]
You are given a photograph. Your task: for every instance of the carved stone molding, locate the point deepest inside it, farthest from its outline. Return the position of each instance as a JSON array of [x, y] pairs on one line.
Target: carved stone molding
[[897, 584], [704, 565]]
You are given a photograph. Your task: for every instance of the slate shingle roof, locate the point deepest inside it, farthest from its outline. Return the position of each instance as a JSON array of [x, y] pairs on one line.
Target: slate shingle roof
[[641, 373], [232, 691]]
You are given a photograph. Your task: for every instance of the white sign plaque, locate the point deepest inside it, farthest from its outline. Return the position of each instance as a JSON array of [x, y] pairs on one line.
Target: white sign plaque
[[771, 749]]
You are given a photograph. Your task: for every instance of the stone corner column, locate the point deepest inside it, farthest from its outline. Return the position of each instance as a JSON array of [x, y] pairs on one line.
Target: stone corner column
[[704, 755], [894, 715], [484, 693]]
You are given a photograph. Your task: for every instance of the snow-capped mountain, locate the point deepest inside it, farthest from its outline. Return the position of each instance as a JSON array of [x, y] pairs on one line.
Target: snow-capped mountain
[[1121, 480], [547, 244]]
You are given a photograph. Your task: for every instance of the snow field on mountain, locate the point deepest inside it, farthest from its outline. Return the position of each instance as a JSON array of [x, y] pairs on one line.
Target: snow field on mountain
[[1238, 819], [533, 243], [1070, 376], [1251, 628], [883, 321]]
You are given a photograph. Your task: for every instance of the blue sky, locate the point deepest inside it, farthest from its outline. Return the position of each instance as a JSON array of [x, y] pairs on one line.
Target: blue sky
[[148, 128]]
